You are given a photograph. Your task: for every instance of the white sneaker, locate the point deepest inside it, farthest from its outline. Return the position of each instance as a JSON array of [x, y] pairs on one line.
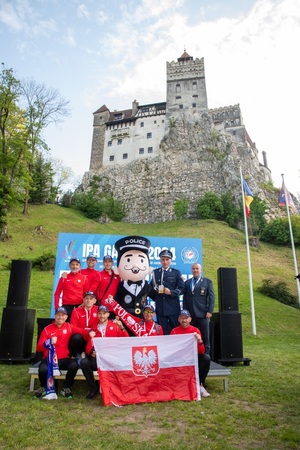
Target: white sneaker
[[203, 392]]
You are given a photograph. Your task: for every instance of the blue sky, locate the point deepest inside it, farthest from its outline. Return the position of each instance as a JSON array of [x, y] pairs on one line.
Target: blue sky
[[112, 52]]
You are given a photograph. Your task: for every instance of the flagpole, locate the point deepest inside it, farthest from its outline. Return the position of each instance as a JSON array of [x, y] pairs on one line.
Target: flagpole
[[292, 238], [248, 259]]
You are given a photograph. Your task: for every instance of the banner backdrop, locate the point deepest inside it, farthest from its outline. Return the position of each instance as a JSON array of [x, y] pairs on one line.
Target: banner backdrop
[[186, 251], [147, 369]]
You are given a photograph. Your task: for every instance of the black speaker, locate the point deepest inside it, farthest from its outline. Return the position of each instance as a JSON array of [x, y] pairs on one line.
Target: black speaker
[[41, 323], [228, 338], [19, 282], [17, 332], [227, 289]]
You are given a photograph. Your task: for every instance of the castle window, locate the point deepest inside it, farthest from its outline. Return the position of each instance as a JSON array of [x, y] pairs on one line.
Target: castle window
[[178, 89], [195, 95], [150, 149], [141, 151], [194, 85], [142, 124], [125, 155], [111, 158], [178, 96], [234, 132], [154, 121], [109, 143], [149, 135], [118, 116], [194, 105], [119, 141], [181, 106], [162, 121]]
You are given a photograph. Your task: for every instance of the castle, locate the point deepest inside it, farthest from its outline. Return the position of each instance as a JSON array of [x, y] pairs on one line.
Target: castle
[[181, 138]]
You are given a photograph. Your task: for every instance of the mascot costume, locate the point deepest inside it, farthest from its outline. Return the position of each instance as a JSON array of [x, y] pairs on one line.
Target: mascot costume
[[133, 266]]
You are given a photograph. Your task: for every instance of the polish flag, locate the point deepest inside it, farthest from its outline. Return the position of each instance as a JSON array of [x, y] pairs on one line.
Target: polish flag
[[147, 369]]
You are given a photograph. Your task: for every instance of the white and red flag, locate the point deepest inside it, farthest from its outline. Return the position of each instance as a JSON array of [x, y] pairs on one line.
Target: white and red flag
[[147, 369]]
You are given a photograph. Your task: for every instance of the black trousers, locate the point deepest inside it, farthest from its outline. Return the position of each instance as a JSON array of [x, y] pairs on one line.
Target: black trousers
[[203, 367], [88, 365], [68, 364], [77, 344], [203, 325]]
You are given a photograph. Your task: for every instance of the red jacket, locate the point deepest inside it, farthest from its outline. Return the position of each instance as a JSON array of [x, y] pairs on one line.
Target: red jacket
[[150, 328], [112, 330], [83, 318], [189, 329], [63, 335], [93, 278], [102, 293], [73, 288]]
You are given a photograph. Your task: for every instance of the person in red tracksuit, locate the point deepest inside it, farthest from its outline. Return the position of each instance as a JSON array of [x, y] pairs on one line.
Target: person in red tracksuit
[[60, 332], [93, 275], [203, 358], [150, 328], [72, 286], [86, 318], [104, 328], [108, 283]]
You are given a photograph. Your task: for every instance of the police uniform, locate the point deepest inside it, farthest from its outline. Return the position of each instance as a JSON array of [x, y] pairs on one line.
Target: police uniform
[[167, 306]]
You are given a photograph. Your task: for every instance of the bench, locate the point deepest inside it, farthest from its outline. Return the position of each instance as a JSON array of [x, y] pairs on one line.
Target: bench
[[216, 371]]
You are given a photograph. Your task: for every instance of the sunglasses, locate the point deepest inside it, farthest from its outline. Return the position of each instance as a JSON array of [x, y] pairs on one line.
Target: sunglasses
[[148, 312]]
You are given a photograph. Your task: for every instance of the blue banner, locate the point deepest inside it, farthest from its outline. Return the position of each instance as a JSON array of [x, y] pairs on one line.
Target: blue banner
[[186, 251]]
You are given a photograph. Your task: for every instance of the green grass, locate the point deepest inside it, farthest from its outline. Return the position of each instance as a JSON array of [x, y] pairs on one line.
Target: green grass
[[261, 409]]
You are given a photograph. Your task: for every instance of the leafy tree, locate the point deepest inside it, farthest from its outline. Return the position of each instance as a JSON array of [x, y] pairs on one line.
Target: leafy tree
[[232, 214], [210, 207], [14, 155], [43, 106]]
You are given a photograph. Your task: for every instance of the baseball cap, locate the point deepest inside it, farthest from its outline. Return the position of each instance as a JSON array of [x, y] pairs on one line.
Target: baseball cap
[[103, 308], [185, 312], [61, 309], [107, 257], [89, 293], [149, 307], [75, 259], [91, 257]]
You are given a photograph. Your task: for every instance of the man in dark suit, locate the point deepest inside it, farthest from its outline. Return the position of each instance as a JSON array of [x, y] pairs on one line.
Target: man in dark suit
[[199, 299], [167, 285]]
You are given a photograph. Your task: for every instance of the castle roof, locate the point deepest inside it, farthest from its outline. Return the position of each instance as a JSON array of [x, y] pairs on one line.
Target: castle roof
[[102, 109], [185, 57]]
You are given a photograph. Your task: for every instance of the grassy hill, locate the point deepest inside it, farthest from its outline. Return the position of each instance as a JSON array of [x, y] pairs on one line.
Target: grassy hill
[[261, 409]]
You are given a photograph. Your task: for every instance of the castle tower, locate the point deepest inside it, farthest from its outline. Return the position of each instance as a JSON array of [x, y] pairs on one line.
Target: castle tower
[[186, 87], [100, 117]]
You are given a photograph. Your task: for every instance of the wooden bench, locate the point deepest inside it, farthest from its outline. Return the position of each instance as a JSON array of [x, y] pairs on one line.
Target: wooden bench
[[216, 371]]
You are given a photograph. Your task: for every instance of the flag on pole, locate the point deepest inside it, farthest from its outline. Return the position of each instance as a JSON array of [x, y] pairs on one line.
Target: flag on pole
[[147, 369], [248, 197], [284, 194]]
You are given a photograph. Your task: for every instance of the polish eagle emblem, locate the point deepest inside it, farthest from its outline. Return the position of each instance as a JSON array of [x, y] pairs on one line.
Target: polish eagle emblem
[[145, 361]]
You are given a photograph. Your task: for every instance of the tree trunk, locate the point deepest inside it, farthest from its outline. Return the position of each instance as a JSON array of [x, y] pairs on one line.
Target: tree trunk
[[25, 207]]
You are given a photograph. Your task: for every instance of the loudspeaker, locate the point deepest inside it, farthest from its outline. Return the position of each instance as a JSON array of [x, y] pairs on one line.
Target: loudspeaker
[[227, 288], [228, 335], [17, 332], [19, 281]]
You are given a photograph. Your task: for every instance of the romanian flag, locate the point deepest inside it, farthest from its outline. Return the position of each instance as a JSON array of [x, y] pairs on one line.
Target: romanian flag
[[147, 369], [285, 198], [248, 197]]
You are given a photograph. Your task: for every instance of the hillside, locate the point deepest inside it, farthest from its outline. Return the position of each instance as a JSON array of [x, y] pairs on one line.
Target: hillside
[[222, 247]]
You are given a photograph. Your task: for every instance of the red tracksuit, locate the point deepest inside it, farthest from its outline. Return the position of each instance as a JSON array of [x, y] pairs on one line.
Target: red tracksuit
[[83, 318], [189, 329], [102, 293], [73, 288], [93, 277], [112, 330]]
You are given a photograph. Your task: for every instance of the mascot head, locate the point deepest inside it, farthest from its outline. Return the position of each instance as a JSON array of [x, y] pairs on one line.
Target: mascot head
[[133, 259]]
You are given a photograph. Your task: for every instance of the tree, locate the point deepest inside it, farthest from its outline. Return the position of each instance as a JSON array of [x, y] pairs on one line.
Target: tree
[[62, 175], [42, 173], [44, 106], [14, 156]]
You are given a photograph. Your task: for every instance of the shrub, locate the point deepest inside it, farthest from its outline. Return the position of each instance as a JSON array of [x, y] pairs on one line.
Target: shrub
[[44, 262], [181, 208], [277, 231], [279, 291], [210, 207]]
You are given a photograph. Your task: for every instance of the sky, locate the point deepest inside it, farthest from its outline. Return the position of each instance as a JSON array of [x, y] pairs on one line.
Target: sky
[[98, 52]]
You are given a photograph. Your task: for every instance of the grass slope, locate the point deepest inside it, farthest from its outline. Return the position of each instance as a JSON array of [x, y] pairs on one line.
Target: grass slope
[[261, 409]]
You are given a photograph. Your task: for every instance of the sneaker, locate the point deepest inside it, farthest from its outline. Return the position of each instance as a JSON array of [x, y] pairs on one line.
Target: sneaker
[[93, 392], [41, 392], [66, 392], [203, 392]]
